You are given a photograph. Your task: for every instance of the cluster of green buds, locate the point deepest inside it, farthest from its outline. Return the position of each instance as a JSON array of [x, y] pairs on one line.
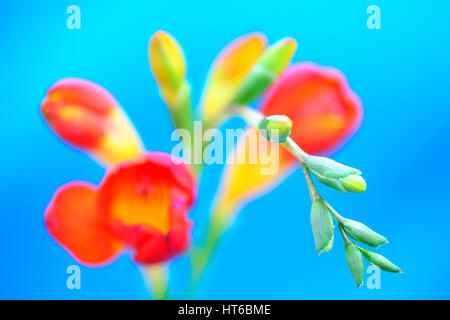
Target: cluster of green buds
[[343, 178]]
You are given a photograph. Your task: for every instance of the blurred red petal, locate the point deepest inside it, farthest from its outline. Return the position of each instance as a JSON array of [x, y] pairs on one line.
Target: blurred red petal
[[88, 117], [72, 220], [324, 110], [76, 109]]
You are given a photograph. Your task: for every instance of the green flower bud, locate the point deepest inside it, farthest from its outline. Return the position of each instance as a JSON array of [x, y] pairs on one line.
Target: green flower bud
[[269, 66], [362, 233], [322, 226], [276, 128], [380, 261], [355, 262], [336, 175]]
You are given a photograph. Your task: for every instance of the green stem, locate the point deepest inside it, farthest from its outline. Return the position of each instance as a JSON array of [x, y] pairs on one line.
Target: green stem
[[295, 150], [201, 256], [312, 189], [251, 116], [157, 280], [336, 215]]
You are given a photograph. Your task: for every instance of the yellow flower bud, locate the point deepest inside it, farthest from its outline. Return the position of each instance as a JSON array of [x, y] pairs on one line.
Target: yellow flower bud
[[168, 66]]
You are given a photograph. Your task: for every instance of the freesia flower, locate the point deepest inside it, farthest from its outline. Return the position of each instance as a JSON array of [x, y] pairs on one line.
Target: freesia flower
[[325, 113], [87, 116], [140, 204]]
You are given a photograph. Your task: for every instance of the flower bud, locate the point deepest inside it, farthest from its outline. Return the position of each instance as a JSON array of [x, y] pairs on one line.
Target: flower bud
[[228, 72], [322, 226], [380, 261], [168, 66], [362, 233], [86, 116], [169, 69], [275, 128], [336, 175], [266, 70], [355, 262]]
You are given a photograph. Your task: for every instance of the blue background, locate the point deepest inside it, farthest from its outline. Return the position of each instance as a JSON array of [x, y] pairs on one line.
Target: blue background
[[400, 72]]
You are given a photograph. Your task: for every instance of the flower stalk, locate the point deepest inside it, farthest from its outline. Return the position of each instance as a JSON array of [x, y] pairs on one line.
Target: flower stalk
[[157, 278], [339, 177]]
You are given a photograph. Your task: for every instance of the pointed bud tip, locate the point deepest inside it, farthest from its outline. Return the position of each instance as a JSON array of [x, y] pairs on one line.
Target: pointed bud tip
[[160, 34], [158, 38], [380, 243], [354, 183], [290, 42], [258, 36]]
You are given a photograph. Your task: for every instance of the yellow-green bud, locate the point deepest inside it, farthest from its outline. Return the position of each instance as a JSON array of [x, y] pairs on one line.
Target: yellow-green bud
[[168, 65], [276, 128], [353, 183], [336, 175]]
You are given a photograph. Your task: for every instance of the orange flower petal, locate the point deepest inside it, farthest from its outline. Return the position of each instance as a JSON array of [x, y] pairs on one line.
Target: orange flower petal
[[72, 220], [325, 113], [146, 201], [228, 72], [87, 116]]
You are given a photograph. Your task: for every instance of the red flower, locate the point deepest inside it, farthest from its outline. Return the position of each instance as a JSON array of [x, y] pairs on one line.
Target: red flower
[[140, 204]]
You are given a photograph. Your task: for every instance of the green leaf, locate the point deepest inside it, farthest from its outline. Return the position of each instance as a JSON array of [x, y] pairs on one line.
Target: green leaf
[[336, 175], [380, 261], [322, 226], [362, 233], [355, 262]]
